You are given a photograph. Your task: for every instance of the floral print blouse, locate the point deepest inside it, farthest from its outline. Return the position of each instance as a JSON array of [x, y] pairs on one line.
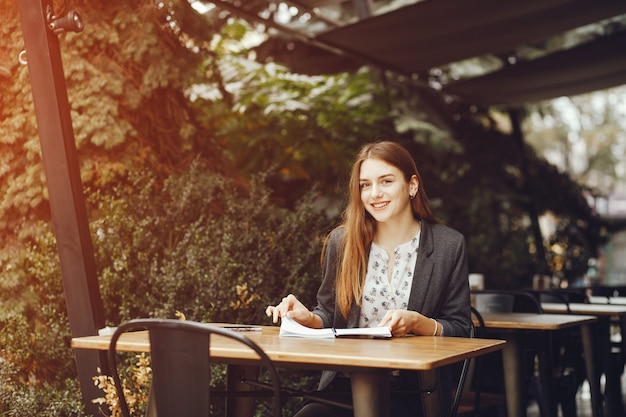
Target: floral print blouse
[[380, 293]]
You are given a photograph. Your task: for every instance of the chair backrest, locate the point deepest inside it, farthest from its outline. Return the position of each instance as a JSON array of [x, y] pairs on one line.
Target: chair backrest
[[494, 302], [608, 291], [525, 302], [549, 296], [506, 301], [180, 358], [479, 331], [462, 377]]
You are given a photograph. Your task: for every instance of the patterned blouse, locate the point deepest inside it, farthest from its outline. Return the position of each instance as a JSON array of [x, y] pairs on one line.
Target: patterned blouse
[[381, 294]]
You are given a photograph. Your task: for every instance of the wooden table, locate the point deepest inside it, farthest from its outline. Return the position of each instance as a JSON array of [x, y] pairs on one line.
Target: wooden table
[[617, 300], [419, 353], [614, 406], [514, 328], [594, 309]]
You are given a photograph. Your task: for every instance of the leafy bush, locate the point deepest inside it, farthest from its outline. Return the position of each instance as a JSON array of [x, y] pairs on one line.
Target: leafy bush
[[212, 247], [37, 366], [37, 369]]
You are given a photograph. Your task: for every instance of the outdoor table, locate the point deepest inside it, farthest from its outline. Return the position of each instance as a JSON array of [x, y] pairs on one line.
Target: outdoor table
[[619, 300], [419, 353], [604, 312], [514, 327]]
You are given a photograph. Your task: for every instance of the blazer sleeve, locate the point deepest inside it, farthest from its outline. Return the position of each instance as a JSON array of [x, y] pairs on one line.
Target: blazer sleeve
[[326, 307], [455, 314], [444, 289]]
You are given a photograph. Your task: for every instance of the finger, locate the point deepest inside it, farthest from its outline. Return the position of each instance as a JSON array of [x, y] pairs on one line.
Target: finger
[[284, 304], [386, 319], [278, 313], [290, 302], [395, 319]]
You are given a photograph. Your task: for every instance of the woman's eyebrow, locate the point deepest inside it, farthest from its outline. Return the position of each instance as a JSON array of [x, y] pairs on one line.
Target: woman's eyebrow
[[378, 178]]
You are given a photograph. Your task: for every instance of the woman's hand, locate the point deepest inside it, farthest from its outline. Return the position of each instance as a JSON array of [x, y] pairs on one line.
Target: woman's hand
[[292, 308], [401, 322]]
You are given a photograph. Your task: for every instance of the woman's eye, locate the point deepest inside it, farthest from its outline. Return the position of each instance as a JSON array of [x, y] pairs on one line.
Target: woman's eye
[[364, 185]]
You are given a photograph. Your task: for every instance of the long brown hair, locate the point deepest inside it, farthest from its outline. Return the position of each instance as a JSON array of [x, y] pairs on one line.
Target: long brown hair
[[360, 226]]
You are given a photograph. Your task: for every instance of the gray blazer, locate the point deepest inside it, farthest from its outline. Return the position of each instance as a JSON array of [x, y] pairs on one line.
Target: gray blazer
[[440, 285]]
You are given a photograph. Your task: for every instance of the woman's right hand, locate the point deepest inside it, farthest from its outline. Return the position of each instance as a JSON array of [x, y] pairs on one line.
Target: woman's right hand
[[292, 308]]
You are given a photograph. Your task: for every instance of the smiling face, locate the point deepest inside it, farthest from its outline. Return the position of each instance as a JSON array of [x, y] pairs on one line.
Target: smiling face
[[385, 193]]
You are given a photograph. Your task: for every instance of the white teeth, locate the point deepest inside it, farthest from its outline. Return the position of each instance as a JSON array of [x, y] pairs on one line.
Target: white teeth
[[379, 205]]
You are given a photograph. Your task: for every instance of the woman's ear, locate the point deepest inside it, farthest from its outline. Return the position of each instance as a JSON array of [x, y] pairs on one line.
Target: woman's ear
[[414, 186]]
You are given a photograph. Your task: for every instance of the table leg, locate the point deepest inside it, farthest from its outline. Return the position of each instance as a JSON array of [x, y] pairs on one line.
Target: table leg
[[244, 406], [431, 398], [593, 376], [514, 381], [371, 394]]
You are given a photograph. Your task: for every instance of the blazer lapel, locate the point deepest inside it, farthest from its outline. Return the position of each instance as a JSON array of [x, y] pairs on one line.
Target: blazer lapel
[[423, 269]]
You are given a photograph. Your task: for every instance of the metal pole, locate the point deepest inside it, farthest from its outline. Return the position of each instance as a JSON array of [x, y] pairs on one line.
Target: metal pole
[[69, 215]]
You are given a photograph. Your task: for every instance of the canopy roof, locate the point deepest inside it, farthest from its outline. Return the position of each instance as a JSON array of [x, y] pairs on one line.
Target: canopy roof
[[421, 36]]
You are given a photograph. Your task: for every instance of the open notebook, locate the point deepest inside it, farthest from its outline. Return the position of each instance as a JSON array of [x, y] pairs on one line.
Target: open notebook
[[291, 328]]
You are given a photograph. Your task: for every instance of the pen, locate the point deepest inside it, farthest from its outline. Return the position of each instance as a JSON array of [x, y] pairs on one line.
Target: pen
[[244, 328]]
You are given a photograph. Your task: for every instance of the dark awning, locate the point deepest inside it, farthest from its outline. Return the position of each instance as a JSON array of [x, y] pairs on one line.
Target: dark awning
[[436, 32], [433, 33], [593, 66]]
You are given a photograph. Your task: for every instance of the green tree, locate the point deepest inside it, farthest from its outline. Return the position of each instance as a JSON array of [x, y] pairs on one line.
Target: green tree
[[584, 136], [127, 75]]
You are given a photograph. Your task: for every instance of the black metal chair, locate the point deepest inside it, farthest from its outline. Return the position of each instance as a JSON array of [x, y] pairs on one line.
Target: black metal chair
[[561, 296], [473, 400], [180, 359], [513, 301], [506, 301], [567, 348], [458, 395]]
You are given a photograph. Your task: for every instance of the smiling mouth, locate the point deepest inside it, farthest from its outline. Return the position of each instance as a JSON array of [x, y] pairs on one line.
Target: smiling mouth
[[380, 205]]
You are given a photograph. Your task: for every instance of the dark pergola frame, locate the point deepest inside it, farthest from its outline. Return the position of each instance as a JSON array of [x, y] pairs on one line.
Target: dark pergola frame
[[67, 201]]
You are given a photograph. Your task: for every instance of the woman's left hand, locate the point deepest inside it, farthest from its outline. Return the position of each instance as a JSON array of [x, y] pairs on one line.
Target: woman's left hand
[[401, 322]]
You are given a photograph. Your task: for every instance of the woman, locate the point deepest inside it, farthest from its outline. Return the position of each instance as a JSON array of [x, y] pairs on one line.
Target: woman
[[391, 263]]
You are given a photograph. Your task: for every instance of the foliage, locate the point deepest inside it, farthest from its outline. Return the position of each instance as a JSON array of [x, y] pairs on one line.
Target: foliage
[[487, 187], [126, 77], [214, 248], [584, 137], [192, 252], [569, 250], [135, 382], [37, 369], [298, 129]]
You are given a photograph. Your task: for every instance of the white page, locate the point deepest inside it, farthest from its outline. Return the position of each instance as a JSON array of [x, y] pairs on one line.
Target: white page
[[290, 327], [364, 331]]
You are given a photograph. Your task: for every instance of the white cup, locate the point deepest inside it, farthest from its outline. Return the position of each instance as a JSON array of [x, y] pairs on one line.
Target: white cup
[[477, 281]]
